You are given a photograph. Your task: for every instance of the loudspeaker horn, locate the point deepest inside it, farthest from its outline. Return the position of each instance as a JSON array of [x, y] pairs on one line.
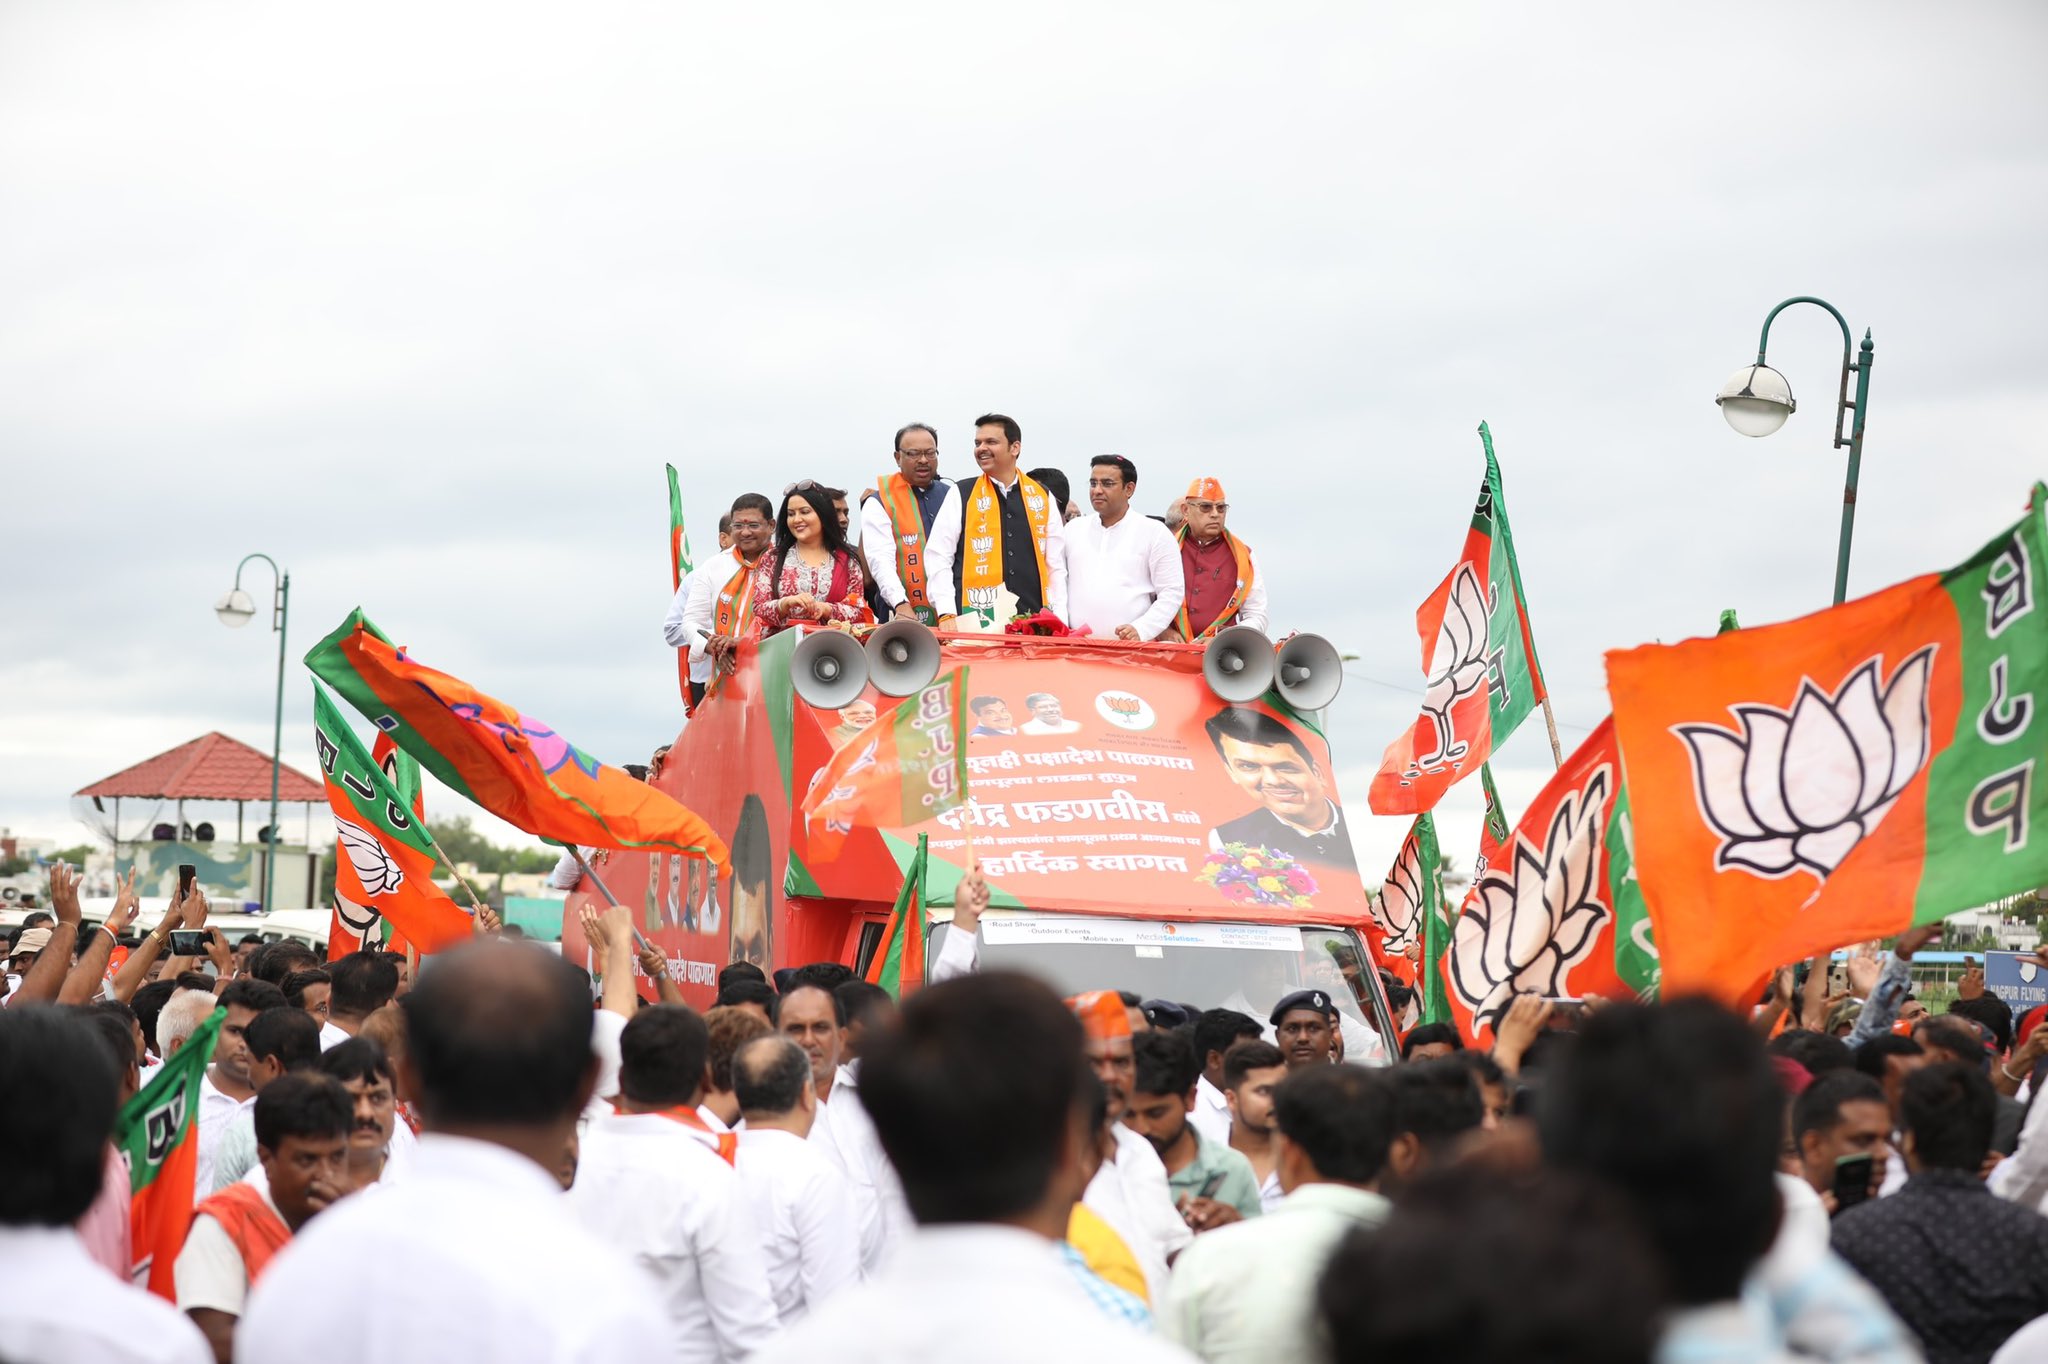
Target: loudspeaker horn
[[829, 669], [903, 657], [1310, 672], [1238, 664]]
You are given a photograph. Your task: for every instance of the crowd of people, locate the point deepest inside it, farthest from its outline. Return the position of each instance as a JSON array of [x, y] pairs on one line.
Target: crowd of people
[[504, 1156], [975, 554]]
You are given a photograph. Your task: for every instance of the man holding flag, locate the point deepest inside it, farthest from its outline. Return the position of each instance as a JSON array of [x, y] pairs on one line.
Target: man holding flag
[[62, 1306], [714, 606]]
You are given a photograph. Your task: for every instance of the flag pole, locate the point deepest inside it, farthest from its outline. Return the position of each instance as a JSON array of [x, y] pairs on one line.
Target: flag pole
[[603, 889], [1550, 723]]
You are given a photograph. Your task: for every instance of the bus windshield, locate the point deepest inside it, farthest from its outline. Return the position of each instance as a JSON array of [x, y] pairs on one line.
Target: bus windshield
[[1247, 967]]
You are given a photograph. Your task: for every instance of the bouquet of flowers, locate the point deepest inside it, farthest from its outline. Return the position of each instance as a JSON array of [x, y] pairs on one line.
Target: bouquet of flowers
[[1044, 623], [1257, 876]]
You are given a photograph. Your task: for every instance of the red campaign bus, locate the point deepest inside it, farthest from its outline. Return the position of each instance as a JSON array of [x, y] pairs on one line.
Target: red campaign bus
[[1137, 833]]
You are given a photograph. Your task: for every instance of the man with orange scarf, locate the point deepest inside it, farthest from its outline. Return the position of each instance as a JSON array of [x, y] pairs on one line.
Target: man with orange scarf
[[714, 608], [302, 1129], [1224, 586], [910, 532], [1012, 533]]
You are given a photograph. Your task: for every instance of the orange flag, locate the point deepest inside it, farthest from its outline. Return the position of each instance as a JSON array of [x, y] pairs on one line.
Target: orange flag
[[1844, 776]]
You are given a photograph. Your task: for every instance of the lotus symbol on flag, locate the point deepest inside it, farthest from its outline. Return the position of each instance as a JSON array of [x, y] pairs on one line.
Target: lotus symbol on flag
[[1529, 922], [373, 866], [1798, 789], [1457, 665], [1399, 908]]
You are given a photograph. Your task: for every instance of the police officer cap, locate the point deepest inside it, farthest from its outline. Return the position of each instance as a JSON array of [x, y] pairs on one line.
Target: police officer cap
[[1318, 1000]]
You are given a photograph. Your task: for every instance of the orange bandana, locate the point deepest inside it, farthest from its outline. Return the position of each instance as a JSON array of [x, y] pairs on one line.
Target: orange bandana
[[1206, 490], [1102, 1014]]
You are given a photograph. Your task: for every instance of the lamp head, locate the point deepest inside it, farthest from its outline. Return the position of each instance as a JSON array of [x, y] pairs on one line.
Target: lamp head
[[1756, 400], [236, 609]]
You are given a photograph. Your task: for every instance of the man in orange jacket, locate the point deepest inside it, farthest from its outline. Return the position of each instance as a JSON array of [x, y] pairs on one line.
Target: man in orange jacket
[[302, 1129]]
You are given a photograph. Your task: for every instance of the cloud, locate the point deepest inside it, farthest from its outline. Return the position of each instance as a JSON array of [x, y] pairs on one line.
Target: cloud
[[418, 300]]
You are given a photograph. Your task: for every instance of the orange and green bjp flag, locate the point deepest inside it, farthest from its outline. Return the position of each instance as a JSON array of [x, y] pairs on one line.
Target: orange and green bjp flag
[[1843, 776], [679, 567], [909, 765], [1409, 920], [898, 966], [1542, 917], [157, 1134], [384, 858], [521, 770], [1478, 660]]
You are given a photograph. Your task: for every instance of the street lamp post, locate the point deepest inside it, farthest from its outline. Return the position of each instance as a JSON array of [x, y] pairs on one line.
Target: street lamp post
[[1757, 399], [235, 610]]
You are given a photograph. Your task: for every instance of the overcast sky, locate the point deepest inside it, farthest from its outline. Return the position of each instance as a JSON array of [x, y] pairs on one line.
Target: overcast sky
[[419, 298]]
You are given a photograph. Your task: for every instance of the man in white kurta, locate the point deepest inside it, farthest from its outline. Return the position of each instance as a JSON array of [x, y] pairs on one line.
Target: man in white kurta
[[647, 1186], [482, 1196], [802, 1204], [982, 1278], [1124, 578]]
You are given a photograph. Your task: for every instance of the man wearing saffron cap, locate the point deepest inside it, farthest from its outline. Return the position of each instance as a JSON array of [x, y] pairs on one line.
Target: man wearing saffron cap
[[1129, 1192], [1224, 585]]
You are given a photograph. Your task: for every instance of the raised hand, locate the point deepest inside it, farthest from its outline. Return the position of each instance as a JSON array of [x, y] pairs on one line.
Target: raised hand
[[488, 924], [194, 907], [970, 898], [1518, 1029], [593, 930], [64, 893], [127, 904], [1971, 985], [1864, 969]]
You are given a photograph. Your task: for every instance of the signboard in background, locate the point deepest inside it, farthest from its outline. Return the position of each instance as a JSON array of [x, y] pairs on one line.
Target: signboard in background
[[1018, 928], [2018, 978]]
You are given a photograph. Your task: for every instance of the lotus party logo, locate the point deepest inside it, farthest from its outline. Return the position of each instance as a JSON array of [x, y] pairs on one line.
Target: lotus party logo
[[1125, 710], [1458, 664], [1798, 788], [373, 866], [1398, 911], [1531, 921]]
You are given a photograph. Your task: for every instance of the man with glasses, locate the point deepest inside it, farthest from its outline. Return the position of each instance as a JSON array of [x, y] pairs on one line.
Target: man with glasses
[[714, 608], [1224, 587], [910, 531]]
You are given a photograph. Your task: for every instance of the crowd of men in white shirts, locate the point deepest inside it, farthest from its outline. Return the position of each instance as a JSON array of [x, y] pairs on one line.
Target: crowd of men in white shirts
[[505, 1159]]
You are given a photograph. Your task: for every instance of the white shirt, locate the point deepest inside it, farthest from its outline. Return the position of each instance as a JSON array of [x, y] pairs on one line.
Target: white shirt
[[804, 1209], [1212, 1113], [210, 1271], [332, 1037], [649, 1187], [1245, 1293], [1125, 574], [1130, 1194], [694, 611], [63, 1308], [400, 1153], [995, 1295], [216, 1111], [1270, 1192], [694, 607], [845, 1133], [439, 1244], [2023, 1176], [942, 546]]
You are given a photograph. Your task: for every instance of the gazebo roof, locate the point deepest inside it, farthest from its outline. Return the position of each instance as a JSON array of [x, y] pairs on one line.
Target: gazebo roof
[[211, 767]]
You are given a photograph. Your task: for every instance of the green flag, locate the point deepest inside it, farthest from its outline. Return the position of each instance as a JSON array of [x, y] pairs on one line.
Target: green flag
[[157, 1134]]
